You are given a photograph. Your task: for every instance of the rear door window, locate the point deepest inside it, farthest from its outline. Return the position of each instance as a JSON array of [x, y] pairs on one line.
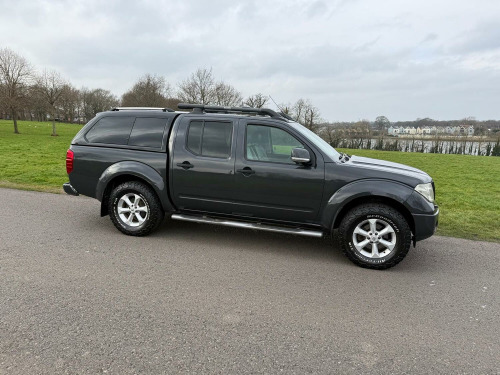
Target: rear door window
[[111, 130], [148, 132], [210, 138]]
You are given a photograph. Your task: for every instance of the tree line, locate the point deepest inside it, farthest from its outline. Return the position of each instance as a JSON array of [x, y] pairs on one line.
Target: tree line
[[382, 123], [28, 94]]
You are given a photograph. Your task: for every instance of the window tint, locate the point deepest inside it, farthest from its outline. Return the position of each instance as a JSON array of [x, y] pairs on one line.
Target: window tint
[[194, 136], [147, 132], [266, 143], [113, 130], [216, 139], [210, 138]]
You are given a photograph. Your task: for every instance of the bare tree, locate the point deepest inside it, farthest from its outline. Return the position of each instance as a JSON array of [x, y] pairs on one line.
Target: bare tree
[[299, 110], [198, 88], [173, 103], [97, 100], [69, 103], [306, 114], [226, 95], [311, 117], [148, 91], [15, 76], [51, 86], [256, 101], [382, 122], [329, 134], [286, 108], [36, 105]]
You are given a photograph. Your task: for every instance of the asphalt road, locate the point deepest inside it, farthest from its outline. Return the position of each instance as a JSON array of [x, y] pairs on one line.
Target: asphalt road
[[77, 296]]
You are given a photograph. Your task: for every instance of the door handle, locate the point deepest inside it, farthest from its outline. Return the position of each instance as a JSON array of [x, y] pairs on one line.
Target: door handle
[[185, 165], [247, 171]]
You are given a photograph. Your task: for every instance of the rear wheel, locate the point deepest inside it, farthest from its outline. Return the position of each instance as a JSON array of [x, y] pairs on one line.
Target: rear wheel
[[135, 209], [375, 236]]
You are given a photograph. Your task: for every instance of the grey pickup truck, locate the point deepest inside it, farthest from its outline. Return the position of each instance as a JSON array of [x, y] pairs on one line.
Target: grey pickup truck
[[249, 168]]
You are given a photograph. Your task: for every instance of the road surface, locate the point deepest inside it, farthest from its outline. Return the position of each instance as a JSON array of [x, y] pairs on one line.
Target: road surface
[[77, 296]]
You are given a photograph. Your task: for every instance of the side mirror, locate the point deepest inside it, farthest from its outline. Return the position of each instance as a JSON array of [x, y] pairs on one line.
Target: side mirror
[[300, 155]]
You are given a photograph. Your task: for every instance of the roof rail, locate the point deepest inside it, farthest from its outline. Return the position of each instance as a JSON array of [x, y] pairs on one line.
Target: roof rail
[[142, 109], [202, 108]]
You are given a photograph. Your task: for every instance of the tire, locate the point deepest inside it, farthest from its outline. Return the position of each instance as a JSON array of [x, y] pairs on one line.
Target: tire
[[134, 208], [391, 240]]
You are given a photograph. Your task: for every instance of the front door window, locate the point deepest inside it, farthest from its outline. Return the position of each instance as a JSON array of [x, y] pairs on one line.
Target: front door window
[[269, 144]]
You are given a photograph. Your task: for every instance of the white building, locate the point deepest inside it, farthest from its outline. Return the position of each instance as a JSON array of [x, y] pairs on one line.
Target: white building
[[393, 130]]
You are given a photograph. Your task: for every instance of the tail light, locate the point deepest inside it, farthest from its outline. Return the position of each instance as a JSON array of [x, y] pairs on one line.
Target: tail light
[[70, 156]]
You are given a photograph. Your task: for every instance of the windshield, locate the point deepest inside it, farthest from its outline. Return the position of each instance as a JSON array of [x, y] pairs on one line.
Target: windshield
[[317, 140]]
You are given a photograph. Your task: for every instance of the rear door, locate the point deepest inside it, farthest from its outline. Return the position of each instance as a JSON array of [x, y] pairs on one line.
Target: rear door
[[203, 164], [268, 184]]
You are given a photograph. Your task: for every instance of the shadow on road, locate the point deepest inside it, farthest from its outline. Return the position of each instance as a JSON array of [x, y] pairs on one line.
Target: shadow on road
[[427, 256]]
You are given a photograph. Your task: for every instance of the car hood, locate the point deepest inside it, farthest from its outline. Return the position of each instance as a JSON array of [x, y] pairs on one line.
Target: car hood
[[386, 169]]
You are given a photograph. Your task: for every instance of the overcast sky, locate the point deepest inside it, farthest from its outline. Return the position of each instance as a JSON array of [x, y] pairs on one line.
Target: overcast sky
[[353, 59]]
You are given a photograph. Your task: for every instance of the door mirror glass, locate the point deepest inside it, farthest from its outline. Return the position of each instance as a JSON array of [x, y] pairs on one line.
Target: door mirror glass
[[300, 155]]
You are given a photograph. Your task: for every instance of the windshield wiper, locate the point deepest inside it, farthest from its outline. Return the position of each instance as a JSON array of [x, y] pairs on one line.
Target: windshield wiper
[[344, 157]]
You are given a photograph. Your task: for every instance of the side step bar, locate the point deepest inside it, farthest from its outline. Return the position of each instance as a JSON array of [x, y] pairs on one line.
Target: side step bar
[[240, 224]]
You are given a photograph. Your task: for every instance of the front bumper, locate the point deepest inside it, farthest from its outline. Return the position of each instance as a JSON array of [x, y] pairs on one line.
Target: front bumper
[[70, 189], [426, 224]]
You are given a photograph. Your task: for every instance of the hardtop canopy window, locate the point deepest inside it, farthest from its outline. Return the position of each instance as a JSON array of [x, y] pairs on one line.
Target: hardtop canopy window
[[111, 130], [148, 132]]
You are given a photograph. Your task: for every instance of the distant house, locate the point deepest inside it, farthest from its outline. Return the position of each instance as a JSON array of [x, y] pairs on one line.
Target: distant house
[[393, 130], [427, 130], [470, 130], [418, 130]]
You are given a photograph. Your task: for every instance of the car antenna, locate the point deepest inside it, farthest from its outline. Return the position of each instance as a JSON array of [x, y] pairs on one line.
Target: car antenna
[[282, 112]]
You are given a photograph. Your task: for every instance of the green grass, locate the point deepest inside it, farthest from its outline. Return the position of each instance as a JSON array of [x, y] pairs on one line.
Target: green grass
[[467, 190], [468, 187], [282, 150], [34, 160]]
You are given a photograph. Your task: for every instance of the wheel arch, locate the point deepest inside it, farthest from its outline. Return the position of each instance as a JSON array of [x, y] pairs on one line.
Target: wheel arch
[[398, 206], [131, 171], [390, 193]]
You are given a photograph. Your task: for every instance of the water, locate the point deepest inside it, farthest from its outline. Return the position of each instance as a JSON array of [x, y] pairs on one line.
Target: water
[[441, 146]]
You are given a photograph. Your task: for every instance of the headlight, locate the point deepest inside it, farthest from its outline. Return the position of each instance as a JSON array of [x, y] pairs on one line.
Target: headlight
[[426, 190]]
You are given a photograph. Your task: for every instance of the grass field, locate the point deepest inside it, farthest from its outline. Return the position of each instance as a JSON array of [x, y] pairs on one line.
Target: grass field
[[467, 190], [468, 187], [34, 160]]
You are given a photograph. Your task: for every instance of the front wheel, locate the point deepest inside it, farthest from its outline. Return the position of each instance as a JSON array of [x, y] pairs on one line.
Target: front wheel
[[375, 236], [134, 208]]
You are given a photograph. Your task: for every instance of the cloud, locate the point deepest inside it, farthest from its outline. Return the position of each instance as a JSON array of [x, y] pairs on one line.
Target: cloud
[[430, 38], [352, 59]]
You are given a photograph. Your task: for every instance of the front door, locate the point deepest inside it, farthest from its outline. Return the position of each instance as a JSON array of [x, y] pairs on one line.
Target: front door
[[268, 184], [203, 165]]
